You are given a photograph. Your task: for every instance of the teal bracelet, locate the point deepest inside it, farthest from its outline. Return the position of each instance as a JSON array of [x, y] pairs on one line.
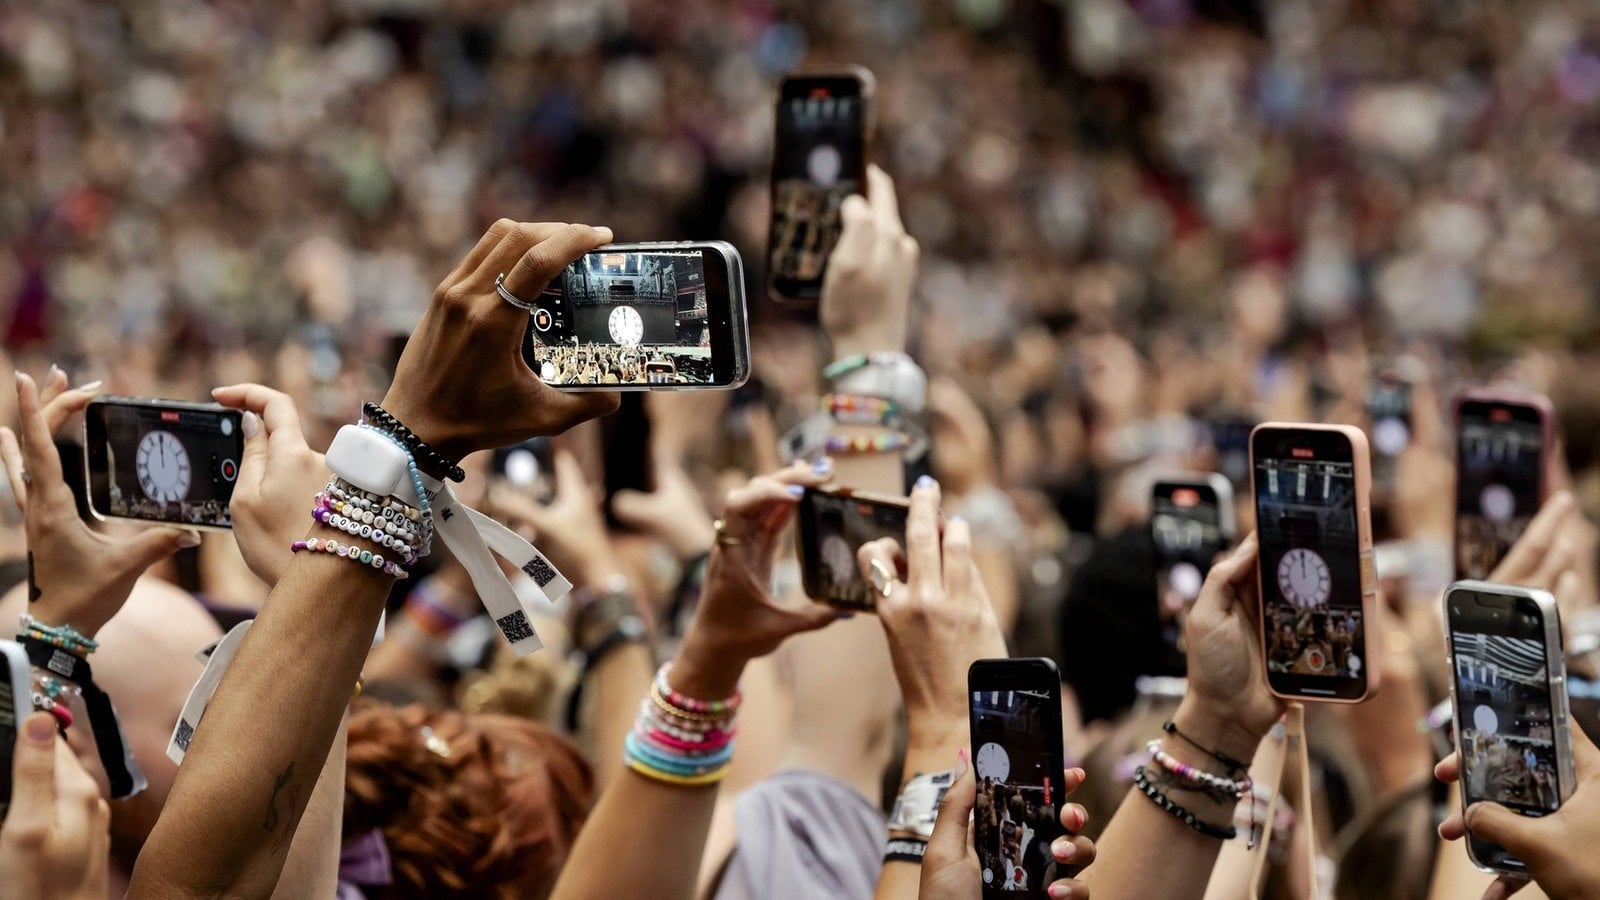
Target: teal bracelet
[[63, 637], [636, 751]]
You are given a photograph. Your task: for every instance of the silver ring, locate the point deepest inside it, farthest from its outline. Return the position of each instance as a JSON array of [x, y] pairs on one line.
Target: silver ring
[[507, 296]]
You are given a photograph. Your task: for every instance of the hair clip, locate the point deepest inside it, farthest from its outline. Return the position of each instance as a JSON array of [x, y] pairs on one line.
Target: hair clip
[[436, 745]]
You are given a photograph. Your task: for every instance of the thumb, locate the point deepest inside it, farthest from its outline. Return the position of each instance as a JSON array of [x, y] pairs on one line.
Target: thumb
[[147, 548], [253, 462], [33, 788], [1518, 834], [949, 843]]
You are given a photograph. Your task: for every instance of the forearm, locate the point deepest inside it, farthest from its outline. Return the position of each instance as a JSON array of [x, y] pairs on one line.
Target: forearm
[[256, 755], [312, 869], [617, 684], [929, 749]]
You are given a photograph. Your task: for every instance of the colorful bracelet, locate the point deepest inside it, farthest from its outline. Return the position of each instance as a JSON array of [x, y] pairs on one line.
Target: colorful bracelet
[[424, 506], [1178, 812], [857, 444], [694, 733], [1228, 762], [712, 707], [367, 525], [682, 780], [429, 614], [679, 739], [851, 409], [62, 637], [413, 444], [684, 750], [714, 740], [351, 552], [640, 749], [1212, 784]]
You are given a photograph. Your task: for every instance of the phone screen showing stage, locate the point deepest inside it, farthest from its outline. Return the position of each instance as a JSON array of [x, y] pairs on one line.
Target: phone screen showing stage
[[833, 528], [818, 161], [1016, 736], [1186, 526], [629, 317], [1306, 509], [1507, 737], [1499, 480], [158, 463]]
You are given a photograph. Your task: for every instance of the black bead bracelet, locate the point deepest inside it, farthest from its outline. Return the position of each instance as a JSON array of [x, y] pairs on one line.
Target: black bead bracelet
[[1180, 813], [425, 455]]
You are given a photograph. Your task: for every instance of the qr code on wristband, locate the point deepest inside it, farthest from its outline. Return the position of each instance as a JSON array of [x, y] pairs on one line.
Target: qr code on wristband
[[184, 736], [540, 571], [515, 626]]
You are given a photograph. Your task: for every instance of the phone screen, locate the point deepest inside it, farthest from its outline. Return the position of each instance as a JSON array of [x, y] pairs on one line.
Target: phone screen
[[161, 462], [1507, 721], [1231, 438], [1186, 525], [8, 724], [1389, 409], [1499, 481], [528, 466], [630, 316], [1312, 589], [832, 529], [819, 159], [1015, 712]]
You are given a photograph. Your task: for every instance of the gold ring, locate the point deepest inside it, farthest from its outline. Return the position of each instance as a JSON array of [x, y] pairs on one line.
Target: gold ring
[[724, 539], [882, 578]]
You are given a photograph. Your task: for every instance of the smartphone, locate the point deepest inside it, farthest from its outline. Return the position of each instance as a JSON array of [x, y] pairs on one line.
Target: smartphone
[[622, 434], [16, 702], [529, 465], [819, 157], [1231, 438], [1014, 706], [1389, 415], [162, 461], [1191, 523], [1503, 444], [1318, 584], [1513, 729], [834, 523], [639, 317]]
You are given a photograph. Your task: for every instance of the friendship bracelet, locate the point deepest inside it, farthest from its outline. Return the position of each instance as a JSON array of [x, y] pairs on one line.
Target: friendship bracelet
[[729, 705], [53, 687], [699, 755], [64, 637], [397, 511], [1212, 784], [365, 525], [418, 447], [714, 739], [709, 778], [679, 712], [122, 769], [429, 614], [1233, 765], [424, 505], [353, 553], [694, 733], [1180, 813], [856, 444], [638, 749], [851, 409]]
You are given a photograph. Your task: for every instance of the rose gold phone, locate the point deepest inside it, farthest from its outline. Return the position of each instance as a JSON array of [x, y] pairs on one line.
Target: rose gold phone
[[1504, 441], [1313, 486]]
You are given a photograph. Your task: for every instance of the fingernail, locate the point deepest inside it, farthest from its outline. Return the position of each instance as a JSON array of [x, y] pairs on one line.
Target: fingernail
[[50, 375], [250, 424], [926, 482], [844, 615], [961, 763], [189, 539], [40, 729], [1063, 849], [1059, 891], [90, 388], [822, 466], [19, 377], [957, 518], [796, 490]]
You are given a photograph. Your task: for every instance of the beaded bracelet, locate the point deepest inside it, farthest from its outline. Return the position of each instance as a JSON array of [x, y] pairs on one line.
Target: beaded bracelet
[[424, 506], [352, 552], [429, 614], [851, 409], [640, 749], [1180, 813], [713, 707], [1215, 785], [691, 732], [62, 637], [1228, 762], [682, 780], [417, 446], [394, 510], [361, 524], [53, 687], [855, 445], [679, 739]]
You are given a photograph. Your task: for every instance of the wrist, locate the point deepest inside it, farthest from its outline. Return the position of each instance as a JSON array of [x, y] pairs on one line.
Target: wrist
[[934, 733], [883, 340], [704, 672], [1213, 730], [443, 436]]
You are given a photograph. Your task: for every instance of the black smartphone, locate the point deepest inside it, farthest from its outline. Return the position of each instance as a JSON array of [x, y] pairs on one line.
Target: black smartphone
[[529, 465], [16, 692], [1503, 444], [1191, 524], [1014, 706], [1231, 438], [1389, 425], [637, 317], [834, 524], [1318, 586], [819, 157], [1512, 725], [162, 461]]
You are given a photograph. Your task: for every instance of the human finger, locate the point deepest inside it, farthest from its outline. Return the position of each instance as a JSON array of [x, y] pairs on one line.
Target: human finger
[[31, 817], [1504, 887], [888, 556], [1453, 828], [922, 538], [280, 416], [554, 412], [1526, 838], [79, 805], [1077, 851], [949, 841], [480, 251], [11, 455], [858, 228], [1219, 588], [959, 568], [885, 205], [1525, 554], [1449, 769], [38, 444], [66, 403], [149, 547], [539, 263]]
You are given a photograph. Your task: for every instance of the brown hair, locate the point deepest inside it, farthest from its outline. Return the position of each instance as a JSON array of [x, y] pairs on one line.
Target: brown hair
[[495, 817]]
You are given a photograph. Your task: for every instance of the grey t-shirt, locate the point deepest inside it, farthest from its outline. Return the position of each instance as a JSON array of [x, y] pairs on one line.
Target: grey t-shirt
[[803, 835]]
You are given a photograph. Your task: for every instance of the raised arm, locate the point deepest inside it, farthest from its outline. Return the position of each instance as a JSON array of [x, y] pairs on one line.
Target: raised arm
[[461, 386]]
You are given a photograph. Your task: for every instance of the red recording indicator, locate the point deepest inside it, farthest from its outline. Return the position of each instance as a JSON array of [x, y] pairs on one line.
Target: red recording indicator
[[1303, 453], [1500, 414], [230, 470], [168, 415], [1186, 497], [821, 92]]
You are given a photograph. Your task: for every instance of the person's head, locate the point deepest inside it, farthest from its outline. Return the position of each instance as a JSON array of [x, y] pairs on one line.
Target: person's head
[[470, 805]]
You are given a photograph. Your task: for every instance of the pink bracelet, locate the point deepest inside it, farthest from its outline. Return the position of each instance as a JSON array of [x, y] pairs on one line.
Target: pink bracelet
[[690, 704], [715, 740], [353, 553]]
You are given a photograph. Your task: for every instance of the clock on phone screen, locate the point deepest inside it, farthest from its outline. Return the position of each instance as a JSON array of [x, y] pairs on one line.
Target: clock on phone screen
[[993, 762], [627, 328], [163, 467], [1304, 578]]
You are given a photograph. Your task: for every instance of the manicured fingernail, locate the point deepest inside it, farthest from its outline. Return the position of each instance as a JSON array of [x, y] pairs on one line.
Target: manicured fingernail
[[1063, 849], [796, 490], [92, 387], [50, 375], [844, 615], [189, 539], [961, 763], [250, 424], [40, 729], [925, 483], [822, 466], [1059, 891]]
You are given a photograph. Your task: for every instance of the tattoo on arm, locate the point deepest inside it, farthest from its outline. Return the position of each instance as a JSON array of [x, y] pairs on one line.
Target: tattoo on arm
[[33, 583], [274, 818]]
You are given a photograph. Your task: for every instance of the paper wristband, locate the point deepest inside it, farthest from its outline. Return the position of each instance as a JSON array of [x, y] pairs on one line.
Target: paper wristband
[[123, 775], [217, 656]]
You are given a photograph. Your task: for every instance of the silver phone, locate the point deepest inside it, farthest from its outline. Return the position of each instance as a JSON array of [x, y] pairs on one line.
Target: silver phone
[[16, 702], [1509, 688]]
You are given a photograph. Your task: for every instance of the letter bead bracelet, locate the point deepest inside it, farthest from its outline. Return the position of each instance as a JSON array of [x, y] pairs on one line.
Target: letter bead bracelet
[[352, 552]]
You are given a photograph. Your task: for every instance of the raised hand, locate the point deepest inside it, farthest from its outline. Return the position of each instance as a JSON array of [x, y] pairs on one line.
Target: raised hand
[[867, 289], [56, 837]]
